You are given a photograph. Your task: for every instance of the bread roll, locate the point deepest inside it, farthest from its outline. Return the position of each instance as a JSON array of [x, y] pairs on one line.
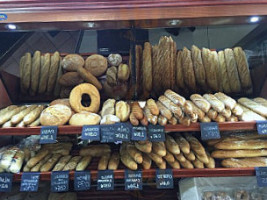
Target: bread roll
[[84, 118], [137, 111], [254, 106], [18, 117], [245, 162], [62, 162], [159, 148], [72, 62], [45, 68], [8, 115], [71, 165], [55, 58], [162, 120], [215, 103], [228, 101], [153, 119], [152, 106], [123, 72], [114, 161], [122, 110], [183, 144], [171, 145], [171, 106], [232, 71], [96, 64], [224, 75], [89, 78], [200, 102], [108, 107], [134, 153], [146, 164], [55, 115], [164, 111], [114, 59], [50, 163], [174, 97], [103, 162], [36, 68], [239, 153]]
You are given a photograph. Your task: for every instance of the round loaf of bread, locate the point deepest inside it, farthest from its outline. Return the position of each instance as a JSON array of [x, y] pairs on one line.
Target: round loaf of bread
[[70, 79], [96, 64], [64, 101], [76, 98], [72, 61], [55, 115], [114, 59], [84, 118]]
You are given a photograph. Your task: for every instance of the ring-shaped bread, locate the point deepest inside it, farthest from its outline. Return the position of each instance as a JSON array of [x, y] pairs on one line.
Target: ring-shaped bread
[[76, 97]]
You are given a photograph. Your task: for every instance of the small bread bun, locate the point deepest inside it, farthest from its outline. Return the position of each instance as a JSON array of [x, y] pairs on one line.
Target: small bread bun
[[72, 62], [96, 64], [84, 118]]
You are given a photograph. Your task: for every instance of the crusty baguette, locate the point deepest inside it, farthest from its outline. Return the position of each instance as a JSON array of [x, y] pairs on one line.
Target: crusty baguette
[[198, 164], [173, 121], [134, 153], [153, 119], [224, 76], [261, 101], [137, 110], [254, 106], [179, 71], [26, 76], [200, 102], [45, 67], [71, 165], [187, 164], [183, 144], [195, 145], [54, 65], [174, 97], [212, 114], [245, 162], [95, 150], [159, 148], [38, 166], [151, 104], [180, 157], [220, 118], [103, 162], [249, 115], [228, 101], [226, 113], [84, 162], [237, 110], [128, 162], [171, 145], [18, 117], [175, 164], [89, 78], [196, 110], [50, 163], [164, 111], [114, 161], [205, 119], [156, 158], [133, 120], [144, 121], [147, 67], [146, 148], [8, 115], [242, 144], [239, 153], [146, 161], [37, 158], [211, 163], [61, 163], [215, 103], [162, 120], [171, 106], [169, 157], [36, 68], [186, 121], [191, 156], [162, 165], [33, 115], [7, 109]]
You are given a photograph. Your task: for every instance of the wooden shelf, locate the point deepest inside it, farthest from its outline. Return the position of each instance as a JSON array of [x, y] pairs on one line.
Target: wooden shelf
[[70, 130], [177, 173]]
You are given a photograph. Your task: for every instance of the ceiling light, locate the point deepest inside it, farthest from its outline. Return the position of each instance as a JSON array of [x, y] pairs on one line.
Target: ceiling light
[[174, 22], [254, 19], [11, 27]]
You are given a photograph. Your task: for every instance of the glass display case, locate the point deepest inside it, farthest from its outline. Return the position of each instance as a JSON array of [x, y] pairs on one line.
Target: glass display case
[[132, 86]]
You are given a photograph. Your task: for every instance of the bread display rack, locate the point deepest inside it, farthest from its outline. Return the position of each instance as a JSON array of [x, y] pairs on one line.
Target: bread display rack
[[137, 14]]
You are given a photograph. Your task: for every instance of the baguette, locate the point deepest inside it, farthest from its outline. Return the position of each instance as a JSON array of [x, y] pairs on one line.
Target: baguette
[[55, 59], [95, 150], [180, 157], [215, 103], [144, 121], [7, 109], [171, 106], [21, 73], [205, 119], [8, 124], [33, 115], [37, 158], [26, 76], [38, 166], [36, 68], [45, 67], [196, 110], [35, 123], [50, 163], [212, 114], [191, 156], [159, 148], [185, 121], [128, 162], [146, 148], [72, 164], [175, 164], [261, 101], [183, 144], [162, 120], [242, 144], [237, 110], [133, 120], [8, 115], [151, 104], [226, 113], [146, 162], [61, 163], [164, 111], [59, 74], [228, 101], [173, 121], [211, 163], [249, 115], [179, 71], [200, 102], [134, 153], [245, 162], [254, 106], [153, 119], [169, 157], [174, 97], [114, 161], [156, 158], [137, 111], [188, 71], [198, 164], [147, 67], [203, 158], [224, 76], [219, 118], [187, 164], [232, 118], [21, 124], [196, 146], [162, 165], [84, 162], [18, 117], [103, 162], [171, 145], [239, 153]]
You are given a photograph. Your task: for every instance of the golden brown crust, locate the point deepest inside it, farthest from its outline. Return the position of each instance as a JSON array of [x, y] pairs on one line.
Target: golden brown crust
[[72, 62], [216, 67], [138, 68], [179, 71], [59, 74], [45, 65], [96, 64], [70, 79], [21, 73], [188, 70], [151, 104], [26, 76], [224, 75], [147, 67], [232, 72], [55, 59], [156, 82], [88, 77]]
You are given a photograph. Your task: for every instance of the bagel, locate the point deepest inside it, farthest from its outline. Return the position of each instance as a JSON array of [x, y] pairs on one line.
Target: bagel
[[76, 97]]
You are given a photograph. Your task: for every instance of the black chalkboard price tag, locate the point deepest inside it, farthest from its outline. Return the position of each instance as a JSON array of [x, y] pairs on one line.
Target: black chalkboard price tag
[[48, 134], [261, 175], [164, 178], [29, 181], [262, 127], [107, 133], [156, 133], [105, 180], [91, 133], [209, 131], [139, 133], [6, 180], [133, 180], [82, 180], [60, 181], [122, 132]]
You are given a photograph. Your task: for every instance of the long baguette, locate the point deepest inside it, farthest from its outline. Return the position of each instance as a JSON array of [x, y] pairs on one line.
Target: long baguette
[[18, 117], [171, 106], [254, 106], [174, 97], [128, 162], [175, 164], [261, 101], [245, 162], [164, 111], [242, 144], [61, 163], [239, 153], [171, 145], [215, 103], [114, 161], [146, 161], [8, 115], [200, 102], [159, 148], [156, 158], [146, 147], [134, 153], [183, 144], [169, 157], [84, 162], [33, 115]]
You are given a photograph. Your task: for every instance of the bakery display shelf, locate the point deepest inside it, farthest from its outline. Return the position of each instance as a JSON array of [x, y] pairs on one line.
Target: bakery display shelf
[[177, 173], [69, 130]]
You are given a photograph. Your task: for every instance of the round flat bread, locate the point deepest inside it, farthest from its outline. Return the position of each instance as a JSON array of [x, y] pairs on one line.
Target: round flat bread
[[224, 76], [232, 71], [199, 69], [55, 59], [242, 67], [45, 65], [36, 67]]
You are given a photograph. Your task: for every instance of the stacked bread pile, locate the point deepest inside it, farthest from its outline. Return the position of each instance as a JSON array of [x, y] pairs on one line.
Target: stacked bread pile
[[21, 116], [178, 152], [241, 150], [160, 67]]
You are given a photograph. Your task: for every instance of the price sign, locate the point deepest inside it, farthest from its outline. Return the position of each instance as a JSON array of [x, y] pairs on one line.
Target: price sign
[[6, 182], [139, 133], [156, 133], [209, 131], [60, 181], [91, 133], [261, 175], [29, 181], [122, 132], [262, 127], [82, 180], [164, 179], [133, 180], [107, 133], [48, 134], [105, 180]]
